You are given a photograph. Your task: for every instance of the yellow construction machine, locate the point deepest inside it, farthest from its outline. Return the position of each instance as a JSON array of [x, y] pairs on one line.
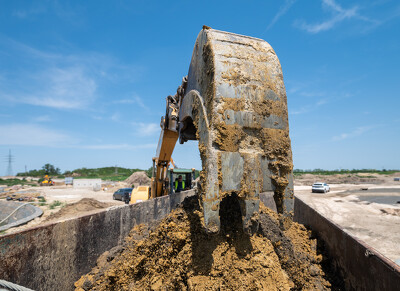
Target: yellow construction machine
[[233, 101], [46, 181]]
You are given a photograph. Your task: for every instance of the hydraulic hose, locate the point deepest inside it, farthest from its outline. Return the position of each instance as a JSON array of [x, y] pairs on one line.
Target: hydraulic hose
[[11, 286]]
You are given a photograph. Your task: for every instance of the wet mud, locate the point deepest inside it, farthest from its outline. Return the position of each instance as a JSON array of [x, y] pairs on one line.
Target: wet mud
[[178, 254]]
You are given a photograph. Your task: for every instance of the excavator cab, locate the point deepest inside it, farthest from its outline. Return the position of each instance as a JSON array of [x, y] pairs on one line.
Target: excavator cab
[[188, 176]]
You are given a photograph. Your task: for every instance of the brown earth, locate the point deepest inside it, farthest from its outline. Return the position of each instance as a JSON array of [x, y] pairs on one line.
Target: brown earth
[[178, 254], [138, 178], [81, 207], [358, 178]]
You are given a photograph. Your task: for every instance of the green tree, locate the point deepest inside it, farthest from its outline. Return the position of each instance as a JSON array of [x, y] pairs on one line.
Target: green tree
[[149, 172], [51, 170]]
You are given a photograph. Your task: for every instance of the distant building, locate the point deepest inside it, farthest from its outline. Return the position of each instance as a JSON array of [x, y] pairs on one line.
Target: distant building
[[94, 184], [69, 181]]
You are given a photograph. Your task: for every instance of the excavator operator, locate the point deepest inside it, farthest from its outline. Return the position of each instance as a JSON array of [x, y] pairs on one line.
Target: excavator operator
[[179, 184]]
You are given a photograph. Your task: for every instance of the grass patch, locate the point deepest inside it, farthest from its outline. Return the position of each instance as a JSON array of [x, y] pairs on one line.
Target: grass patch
[[12, 182], [42, 201], [54, 204]]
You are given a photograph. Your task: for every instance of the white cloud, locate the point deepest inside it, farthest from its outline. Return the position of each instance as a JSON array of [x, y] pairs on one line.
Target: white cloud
[[62, 88], [115, 117], [356, 132], [119, 146], [33, 135], [25, 13], [42, 118], [36, 135], [133, 100], [309, 108], [146, 129], [339, 14], [56, 80], [282, 11], [124, 101]]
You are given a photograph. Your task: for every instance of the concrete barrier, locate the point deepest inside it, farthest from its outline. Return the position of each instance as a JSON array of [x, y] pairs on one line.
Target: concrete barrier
[[361, 266], [54, 256]]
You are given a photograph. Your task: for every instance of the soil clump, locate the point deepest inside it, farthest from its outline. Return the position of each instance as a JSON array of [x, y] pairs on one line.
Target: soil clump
[[83, 206], [178, 254]]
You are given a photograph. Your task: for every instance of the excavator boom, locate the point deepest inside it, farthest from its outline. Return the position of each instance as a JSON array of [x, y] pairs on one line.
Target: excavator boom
[[234, 103]]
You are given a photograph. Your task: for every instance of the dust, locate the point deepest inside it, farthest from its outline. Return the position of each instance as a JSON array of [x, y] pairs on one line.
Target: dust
[[179, 254], [84, 205]]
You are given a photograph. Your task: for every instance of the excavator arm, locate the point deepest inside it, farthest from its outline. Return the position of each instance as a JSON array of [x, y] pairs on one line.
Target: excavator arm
[[166, 143], [234, 103]]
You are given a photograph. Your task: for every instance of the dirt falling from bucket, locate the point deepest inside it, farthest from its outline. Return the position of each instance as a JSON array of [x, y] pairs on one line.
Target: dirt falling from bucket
[[178, 254]]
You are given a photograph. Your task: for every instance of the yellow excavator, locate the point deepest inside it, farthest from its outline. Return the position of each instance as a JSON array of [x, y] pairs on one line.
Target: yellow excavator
[[233, 101]]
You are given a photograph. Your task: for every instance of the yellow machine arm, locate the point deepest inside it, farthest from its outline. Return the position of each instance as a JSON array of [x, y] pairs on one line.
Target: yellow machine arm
[[166, 144]]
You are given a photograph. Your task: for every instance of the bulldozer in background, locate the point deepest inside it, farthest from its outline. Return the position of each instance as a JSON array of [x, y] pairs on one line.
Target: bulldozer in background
[[46, 181], [233, 101]]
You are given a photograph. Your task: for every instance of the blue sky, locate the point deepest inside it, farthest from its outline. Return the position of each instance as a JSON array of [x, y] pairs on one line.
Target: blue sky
[[83, 83]]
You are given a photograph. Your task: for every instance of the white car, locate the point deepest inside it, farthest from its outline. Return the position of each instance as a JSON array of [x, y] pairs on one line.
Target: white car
[[320, 187]]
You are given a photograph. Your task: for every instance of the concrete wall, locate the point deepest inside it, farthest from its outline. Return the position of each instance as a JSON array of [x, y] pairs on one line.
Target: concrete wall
[[86, 183], [361, 266], [54, 256]]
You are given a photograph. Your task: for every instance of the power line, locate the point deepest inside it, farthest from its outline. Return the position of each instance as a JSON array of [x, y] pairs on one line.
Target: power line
[[9, 160]]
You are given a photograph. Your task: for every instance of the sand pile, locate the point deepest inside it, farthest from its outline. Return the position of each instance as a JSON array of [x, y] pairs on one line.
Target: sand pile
[[309, 179], [138, 178], [179, 255], [83, 206]]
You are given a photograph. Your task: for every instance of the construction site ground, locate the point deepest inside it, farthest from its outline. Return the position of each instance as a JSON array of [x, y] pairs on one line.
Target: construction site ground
[[73, 202], [369, 211], [372, 215]]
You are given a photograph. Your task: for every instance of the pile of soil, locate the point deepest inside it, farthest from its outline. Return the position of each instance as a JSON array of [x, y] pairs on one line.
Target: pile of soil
[[179, 254], [309, 179], [138, 178], [83, 206]]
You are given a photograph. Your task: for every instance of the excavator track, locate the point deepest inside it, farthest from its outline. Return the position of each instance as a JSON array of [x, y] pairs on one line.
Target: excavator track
[[235, 105]]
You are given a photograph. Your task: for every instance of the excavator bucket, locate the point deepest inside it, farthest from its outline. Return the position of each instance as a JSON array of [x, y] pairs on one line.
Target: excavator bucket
[[235, 105]]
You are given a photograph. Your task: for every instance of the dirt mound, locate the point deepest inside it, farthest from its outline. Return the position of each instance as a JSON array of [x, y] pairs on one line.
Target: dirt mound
[[179, 255], [309, 179], [81, 207], [138, 178]]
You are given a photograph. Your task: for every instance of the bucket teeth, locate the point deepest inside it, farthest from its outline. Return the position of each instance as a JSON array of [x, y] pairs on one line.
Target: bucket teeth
[[236, 101]]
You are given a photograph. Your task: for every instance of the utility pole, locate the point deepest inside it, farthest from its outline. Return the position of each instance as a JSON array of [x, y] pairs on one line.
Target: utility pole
[[9, 159]]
